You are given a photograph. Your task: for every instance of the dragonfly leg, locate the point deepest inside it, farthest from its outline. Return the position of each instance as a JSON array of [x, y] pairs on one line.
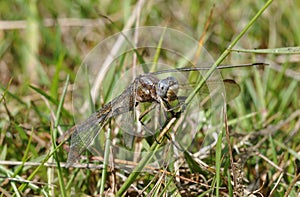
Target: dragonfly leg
[[157, 140], [145, 113]]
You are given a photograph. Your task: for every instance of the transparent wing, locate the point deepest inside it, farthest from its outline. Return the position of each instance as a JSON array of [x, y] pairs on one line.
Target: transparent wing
[[232, 90], [126, 120], [83, 135]]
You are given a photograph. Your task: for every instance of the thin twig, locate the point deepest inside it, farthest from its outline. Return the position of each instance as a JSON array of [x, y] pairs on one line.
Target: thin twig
[[269, 161], [276, 184], [288, 191]]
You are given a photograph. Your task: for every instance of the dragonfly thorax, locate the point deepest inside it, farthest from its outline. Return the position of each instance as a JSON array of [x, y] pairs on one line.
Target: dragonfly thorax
[[146, 90]]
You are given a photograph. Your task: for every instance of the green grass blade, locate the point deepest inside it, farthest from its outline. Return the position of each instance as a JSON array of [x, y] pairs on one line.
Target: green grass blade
[[24, 158], [54, 136], [218, 163], [291, 151], [49, 98], [285, 50], [193, 165], [157, 53], [137, 170], [13, 95], [286, 95], [55, 80], [105, 163]]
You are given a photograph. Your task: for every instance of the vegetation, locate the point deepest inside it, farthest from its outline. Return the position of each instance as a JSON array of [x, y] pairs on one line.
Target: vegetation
[[42, 49]]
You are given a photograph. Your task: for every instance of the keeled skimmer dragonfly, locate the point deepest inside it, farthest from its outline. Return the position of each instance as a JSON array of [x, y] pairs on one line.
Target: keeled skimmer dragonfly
[[146, 88]]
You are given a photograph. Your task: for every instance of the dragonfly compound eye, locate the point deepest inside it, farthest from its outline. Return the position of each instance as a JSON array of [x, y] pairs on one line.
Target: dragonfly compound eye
[[164, 85]]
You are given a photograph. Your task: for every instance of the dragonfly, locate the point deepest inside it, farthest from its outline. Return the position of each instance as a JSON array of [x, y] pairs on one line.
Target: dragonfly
[[145, 88]]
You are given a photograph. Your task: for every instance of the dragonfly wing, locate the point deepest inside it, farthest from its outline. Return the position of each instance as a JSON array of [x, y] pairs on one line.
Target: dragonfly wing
[[84, 134], [232, 89], [125, 119], [205, 94], [128, 128]]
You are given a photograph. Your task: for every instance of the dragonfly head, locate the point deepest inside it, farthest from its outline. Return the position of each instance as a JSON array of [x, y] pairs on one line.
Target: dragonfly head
[[167, 88]]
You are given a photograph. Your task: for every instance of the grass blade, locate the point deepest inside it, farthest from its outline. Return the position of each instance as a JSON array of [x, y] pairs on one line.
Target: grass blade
[[285, 50]]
